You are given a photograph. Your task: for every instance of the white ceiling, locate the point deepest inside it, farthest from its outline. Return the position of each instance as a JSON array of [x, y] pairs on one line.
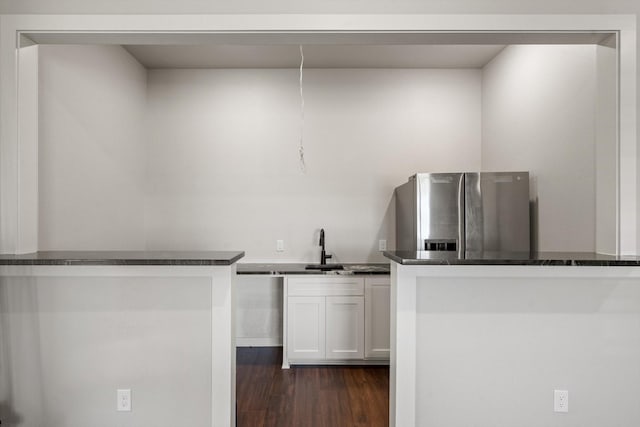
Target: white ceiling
[[315, 56], [322, 50]]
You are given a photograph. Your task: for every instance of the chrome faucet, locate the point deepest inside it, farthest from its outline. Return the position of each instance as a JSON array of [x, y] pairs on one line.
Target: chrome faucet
[[323, 254]]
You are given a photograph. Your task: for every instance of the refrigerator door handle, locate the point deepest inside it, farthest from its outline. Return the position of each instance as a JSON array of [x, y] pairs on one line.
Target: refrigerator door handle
[[461, 219]]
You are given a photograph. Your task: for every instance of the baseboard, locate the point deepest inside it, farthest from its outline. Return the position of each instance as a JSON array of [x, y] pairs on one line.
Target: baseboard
[[359, 362], [259, 342]]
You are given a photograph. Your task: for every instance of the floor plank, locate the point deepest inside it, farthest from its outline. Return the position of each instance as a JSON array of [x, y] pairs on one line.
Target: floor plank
[[314, 396]]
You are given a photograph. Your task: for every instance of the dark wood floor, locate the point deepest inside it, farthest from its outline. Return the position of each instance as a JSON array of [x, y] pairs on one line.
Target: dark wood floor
[[340, 396]]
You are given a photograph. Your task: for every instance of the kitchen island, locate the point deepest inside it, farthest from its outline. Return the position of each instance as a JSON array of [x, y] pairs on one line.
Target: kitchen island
[[80, 325], [485, 339]]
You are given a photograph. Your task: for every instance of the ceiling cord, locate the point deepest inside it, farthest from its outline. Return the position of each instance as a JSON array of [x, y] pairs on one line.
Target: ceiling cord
[[303, 166]]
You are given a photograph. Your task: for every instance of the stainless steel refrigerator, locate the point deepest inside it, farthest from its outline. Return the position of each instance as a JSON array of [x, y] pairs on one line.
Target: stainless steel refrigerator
[[464, 212]]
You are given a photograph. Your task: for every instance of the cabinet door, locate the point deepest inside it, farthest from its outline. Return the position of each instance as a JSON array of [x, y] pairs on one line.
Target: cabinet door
[[345, 327], [306, 328], [377, 308]]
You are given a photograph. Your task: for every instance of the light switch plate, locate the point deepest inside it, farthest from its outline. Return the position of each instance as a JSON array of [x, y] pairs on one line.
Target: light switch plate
[[280, 245], [382, 245]]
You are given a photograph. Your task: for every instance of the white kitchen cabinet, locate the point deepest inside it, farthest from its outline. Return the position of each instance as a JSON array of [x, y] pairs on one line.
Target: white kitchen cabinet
[[306, 327], [336, 319], [344, 327], [324, 320], [376, 314]]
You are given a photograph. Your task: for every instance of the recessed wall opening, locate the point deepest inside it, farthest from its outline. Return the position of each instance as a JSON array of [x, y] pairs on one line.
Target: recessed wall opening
[[145, 157], [190, 141]]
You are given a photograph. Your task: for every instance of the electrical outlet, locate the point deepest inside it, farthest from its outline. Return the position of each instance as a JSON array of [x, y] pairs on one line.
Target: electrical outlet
[[382, 245], [280, 245], [560, 401], [124, 399]]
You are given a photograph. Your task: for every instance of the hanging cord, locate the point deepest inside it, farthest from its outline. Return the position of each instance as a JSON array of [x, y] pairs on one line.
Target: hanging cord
[[303, 166]]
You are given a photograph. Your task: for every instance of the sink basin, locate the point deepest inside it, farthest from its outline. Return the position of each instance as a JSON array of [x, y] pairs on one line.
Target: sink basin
[[324, 267]]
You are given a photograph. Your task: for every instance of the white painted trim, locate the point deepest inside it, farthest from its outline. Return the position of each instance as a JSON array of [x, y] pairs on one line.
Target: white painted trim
[[9, 197], [342, 362], [111, 270], [523, 271], [27, 214], [627, 143], [285, 321], [402, 364], [12, 192], [223, 347], [325, 23], [607, 153]]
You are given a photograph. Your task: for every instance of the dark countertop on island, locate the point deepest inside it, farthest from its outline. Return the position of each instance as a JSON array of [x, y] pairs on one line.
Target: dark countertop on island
[[511, 258], [204, 258], [277, 269]]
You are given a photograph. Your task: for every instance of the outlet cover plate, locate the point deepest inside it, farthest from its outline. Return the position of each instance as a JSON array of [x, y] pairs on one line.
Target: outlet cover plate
[[560, 401], [124, 399]]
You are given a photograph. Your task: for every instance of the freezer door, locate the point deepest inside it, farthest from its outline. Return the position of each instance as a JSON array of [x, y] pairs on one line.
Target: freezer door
[[440, 211], [497, 211]]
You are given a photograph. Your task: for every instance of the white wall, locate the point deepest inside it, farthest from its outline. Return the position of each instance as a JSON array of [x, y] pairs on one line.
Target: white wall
[[491, 350], [259, 302], [220, 164], [91, 148], [222, 155], [207, 159], [69, 342], [538, 106]]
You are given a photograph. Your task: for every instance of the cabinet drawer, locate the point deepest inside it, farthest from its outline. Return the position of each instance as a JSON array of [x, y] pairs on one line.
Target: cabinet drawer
[[378, 280], [325, 286]]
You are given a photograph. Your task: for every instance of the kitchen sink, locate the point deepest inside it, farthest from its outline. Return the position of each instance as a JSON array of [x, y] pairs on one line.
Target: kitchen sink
[[324, 267]]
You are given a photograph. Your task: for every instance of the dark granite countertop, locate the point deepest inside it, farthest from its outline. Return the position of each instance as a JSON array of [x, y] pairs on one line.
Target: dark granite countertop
[[123, 258], [284, 268], [511, 258]]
